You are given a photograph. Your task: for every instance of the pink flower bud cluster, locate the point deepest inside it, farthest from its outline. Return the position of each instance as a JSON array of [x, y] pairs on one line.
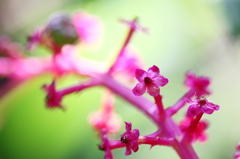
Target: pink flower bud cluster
[[65, 36]]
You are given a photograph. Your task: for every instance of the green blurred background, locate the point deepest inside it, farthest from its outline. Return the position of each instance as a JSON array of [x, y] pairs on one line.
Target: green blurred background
[[198, 35]]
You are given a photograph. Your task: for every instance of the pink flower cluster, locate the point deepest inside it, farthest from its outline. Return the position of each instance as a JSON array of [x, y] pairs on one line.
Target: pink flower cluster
[[65, 36]]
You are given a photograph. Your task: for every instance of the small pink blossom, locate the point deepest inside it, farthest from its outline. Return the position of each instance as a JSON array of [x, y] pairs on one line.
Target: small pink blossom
[[10, 49], [53, 99], [64, 61], [199, 133], [34, 39], [89, 27], [237, 153], [199, 84], [150, 81], [106, 118], [127, 63], [130, 138], [201, 104]]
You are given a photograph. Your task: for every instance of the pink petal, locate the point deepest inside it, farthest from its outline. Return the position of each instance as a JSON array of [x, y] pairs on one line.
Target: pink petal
[[134, 146], [192, 102], [153, 71], [140, 75], [213, 106], [204, 81], [208, 110], [128, 150], [128, 126], [194, 110], [238, 146], [160, 81], [134, 135], [153, 90], [237, 155], [139, 89], [203, 137], [190, 78], [89, 27]]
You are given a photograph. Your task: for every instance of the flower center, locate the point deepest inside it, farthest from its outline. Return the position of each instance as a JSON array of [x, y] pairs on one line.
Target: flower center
[[147, 80], [202, 100], [124, 140]]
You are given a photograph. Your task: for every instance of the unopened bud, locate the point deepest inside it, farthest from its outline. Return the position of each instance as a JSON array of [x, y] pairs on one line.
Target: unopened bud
[[61, 29]]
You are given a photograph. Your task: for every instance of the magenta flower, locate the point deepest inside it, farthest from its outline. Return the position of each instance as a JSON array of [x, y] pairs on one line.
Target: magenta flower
[[199, 133], [53, 99], [150, 81], [89, 27], [130, 138], [237, 153], [199, 84], [127, 63], [34, 39], [201, 104], [106, 118]]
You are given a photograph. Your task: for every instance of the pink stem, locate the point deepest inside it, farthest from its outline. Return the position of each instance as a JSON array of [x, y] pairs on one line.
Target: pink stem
[[78, 88], [185, 151], [192, 127], [180, 103], [126, 42], [158, 100]]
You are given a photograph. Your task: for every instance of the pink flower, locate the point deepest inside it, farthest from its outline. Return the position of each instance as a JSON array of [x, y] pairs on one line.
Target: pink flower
[[150, 81], [10, 49], [199, 84], [89, 27], [199, 133], [237, 153], [106, 118], [130, 138], [53, 98], [34, 39], [64, 61], [127, 63], [201, 104]]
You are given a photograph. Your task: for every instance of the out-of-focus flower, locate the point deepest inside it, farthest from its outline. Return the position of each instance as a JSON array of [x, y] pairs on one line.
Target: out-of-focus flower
[[65, 61], [34, 39], [199, 84], [201, 104], [237, 153], [150, 81], [130, 138], [53, 98], [199, 133], [9, 49], [105, 118], [127, 63], [89, 27]]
